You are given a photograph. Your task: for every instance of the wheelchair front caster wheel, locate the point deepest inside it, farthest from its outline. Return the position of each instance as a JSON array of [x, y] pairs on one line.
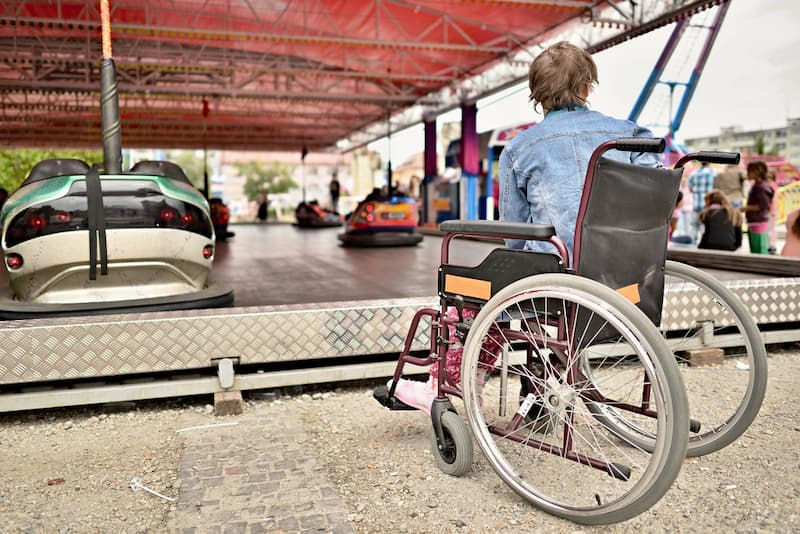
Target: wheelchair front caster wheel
[[454, 456]]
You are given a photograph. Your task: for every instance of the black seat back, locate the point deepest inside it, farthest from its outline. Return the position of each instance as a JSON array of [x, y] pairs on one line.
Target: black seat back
[[49, 168], [622, 230], [160, 168]]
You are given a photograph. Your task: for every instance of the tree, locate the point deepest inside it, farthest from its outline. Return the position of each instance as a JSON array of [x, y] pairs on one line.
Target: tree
[[275, 178], [758, 144], [191, 164], [16, 164]]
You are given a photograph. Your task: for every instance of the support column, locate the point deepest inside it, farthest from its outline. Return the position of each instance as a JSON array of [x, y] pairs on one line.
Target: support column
[[490, 178], [470, 165], [431, 170]]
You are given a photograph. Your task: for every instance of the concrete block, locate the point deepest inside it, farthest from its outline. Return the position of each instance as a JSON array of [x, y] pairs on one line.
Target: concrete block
[[228, 403], [705, 357]]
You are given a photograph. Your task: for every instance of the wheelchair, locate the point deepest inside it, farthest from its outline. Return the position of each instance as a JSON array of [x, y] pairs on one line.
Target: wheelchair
[[570, 389]]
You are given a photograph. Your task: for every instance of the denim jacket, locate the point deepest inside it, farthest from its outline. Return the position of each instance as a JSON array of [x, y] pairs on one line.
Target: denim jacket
[[543, 168]]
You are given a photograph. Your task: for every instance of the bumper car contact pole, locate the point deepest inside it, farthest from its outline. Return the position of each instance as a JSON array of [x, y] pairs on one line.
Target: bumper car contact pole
[[109, 99], [389, 188], [206, 187], [303, 154], [112, 149]]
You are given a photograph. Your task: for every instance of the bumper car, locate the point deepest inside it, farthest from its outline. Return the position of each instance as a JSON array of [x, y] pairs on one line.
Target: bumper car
[[75, 242], [220, 216], [388, 222], [312, 215]]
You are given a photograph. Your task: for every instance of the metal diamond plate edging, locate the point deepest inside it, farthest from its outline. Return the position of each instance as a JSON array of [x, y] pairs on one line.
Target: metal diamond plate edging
[[78, 348], [83, 347]]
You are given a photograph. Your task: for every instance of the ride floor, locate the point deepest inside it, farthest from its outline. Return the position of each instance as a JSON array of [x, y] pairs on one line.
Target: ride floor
[[278, 264], [270, 264]]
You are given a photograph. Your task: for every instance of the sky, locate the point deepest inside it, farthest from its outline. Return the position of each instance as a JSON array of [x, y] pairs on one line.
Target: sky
[[751, 79]]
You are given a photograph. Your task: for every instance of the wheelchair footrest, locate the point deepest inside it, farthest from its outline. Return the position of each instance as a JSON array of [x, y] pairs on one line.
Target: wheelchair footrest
[[381, 394]]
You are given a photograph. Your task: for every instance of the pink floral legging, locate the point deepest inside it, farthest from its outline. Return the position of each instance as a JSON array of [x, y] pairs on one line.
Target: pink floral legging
[[489, 350]]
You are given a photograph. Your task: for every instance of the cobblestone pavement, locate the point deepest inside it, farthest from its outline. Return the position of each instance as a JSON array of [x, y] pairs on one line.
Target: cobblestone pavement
[[254, 473]]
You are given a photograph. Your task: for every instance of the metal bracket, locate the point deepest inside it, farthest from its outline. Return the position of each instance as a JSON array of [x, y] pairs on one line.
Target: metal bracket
[[707, 332], [438, 407], [225, 373]]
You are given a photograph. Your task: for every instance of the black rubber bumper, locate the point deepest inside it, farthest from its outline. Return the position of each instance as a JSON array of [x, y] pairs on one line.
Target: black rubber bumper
[[381, 239], [211, 297], [321, 224]]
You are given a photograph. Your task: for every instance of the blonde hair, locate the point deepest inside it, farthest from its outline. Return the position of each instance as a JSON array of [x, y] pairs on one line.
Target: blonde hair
[[560, 76]]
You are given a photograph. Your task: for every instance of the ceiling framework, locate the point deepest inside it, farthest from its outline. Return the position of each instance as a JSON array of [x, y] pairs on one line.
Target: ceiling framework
[[278, 74]]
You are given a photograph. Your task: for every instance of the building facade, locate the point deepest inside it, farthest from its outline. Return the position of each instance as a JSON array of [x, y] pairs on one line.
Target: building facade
[[784, 141]]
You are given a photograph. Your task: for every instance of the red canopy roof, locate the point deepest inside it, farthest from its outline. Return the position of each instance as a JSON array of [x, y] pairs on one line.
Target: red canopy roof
[[276, 75]]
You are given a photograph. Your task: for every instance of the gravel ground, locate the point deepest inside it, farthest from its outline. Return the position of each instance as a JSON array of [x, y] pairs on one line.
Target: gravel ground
[[70, 470]]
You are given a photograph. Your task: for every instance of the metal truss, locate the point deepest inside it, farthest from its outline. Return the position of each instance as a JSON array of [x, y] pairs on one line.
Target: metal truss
[[598, 30]]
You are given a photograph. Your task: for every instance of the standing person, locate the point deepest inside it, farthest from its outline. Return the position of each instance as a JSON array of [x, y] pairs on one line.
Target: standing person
[[263, 203], [701, 182], [791, 246], [334, 187], [415, 187], [683, 228], [731, 182], [538, 184], [759, 202], [722, 223]]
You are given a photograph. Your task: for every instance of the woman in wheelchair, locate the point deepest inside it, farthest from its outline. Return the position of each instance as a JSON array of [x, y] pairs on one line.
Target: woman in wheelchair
[[573, 393], [543, 168]]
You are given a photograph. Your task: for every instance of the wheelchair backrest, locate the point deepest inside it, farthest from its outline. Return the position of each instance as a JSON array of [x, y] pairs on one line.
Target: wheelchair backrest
[[622, 230]]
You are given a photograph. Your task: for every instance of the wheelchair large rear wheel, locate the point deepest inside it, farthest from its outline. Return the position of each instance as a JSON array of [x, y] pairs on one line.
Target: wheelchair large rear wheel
[[568, 342], [725, 389], [724, 398], [725, 393]]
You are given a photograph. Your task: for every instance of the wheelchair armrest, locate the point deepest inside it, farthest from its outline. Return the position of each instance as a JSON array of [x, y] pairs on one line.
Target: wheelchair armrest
[[499, 229]]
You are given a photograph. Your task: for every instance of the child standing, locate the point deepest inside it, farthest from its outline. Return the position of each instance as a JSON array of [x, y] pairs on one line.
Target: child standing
[[757, 210]]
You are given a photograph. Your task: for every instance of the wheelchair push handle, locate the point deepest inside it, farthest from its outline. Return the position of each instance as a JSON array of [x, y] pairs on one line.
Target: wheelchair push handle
[[717, 157], [713, 156], [640, 144]]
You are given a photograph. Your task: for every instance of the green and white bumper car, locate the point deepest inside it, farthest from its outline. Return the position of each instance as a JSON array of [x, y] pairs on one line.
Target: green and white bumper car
[[76, 242]]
